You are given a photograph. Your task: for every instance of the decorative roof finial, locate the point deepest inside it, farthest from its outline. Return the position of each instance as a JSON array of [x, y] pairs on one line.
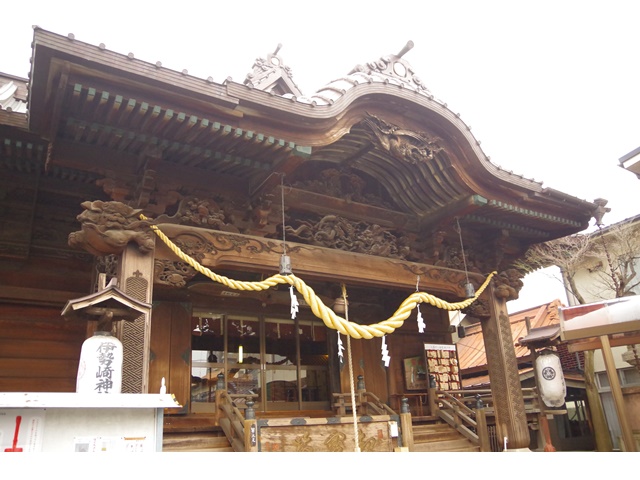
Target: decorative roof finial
[[405, 49]]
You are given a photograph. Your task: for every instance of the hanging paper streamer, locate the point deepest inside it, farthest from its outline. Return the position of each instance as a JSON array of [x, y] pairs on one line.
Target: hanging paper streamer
[[340, 349], [421, 323], [294, 303], [385, 352]]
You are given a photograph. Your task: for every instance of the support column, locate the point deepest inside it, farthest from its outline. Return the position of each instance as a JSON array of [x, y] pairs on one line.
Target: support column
[[616, 392], [511, 419], [135, 278]]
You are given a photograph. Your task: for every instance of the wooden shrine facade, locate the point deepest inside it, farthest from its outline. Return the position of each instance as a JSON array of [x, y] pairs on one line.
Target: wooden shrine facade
[[371, 183]]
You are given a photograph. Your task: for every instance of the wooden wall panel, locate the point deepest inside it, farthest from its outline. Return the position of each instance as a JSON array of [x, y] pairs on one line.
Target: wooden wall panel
[[159, 358], [170, 346], [39, 349], [367, 361]]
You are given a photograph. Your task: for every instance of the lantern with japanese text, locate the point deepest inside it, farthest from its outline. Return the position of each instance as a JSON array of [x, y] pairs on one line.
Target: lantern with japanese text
[[101, 356], [100, 368], [550, 379]]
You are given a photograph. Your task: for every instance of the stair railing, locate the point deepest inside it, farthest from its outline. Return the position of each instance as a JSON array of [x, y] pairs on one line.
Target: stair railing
[[239, 427], [453, 411], [452, 406], [366, 403], [467, 411]]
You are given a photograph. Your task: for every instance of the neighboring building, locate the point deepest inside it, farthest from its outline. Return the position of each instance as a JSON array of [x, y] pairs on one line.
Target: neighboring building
[[569, 431], [631, 161], [371, 183], [620, 254]]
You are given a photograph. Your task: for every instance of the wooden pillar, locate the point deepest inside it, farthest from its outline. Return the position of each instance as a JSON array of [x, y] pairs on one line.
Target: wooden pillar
[[135, 278], [511, 419], [616, 392]]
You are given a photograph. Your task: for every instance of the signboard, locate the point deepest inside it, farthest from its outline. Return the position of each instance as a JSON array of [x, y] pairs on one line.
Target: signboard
[[442, 364], [21, 429]]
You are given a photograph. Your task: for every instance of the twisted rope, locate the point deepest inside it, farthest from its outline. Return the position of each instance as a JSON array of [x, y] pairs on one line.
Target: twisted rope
[[318, 308]]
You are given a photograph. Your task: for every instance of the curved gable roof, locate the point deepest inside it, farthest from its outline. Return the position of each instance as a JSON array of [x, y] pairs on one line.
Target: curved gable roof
[[379, 124]]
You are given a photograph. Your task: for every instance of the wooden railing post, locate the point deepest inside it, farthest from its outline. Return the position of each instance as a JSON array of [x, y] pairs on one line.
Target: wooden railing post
[[406, 425], [433, 396], [482, 430], [250, 428], [456, 415], [219, 391], [361, 394]]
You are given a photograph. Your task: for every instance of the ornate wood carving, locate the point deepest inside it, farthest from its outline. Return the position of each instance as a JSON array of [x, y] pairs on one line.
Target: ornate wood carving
[[503, 369], [508, 284], [108, 227], [220, 250], [333, 231], [144, 192], [344, 184], [397, 68], [175, 274], [134, 365], [135, 274], [205, 213], [405, 145]]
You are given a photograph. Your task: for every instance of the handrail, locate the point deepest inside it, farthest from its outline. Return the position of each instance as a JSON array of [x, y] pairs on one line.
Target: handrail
[[231, 420], [377, 405], [459, 416], [453, 407], [367, 403]]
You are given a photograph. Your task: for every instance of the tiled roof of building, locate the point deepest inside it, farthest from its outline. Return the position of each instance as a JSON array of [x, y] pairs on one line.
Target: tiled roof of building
[[535, 326], [471, 352]]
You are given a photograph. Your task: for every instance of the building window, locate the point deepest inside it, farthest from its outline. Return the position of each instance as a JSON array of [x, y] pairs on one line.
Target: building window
[[282, 362], [574, 423]]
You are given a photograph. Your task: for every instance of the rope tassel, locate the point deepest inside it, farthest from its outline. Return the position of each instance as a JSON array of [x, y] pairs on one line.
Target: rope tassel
[[294, 303], [385, 352], [421, 323], [340, 349]]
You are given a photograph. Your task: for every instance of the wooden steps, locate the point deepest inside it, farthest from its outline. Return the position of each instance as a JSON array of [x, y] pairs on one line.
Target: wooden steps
[[440, 437], [193, 433], [199, 433]]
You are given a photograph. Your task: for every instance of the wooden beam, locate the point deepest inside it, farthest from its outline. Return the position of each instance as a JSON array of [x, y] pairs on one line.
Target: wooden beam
[[231, 251], [37, 296], [296, 199], [459, 208], [595, 343], [288, 166], [75, 156]]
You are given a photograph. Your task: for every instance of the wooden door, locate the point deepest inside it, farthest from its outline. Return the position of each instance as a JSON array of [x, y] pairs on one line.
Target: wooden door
[[170, 355]]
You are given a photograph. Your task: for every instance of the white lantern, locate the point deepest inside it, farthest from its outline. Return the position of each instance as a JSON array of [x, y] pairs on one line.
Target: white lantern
[[550, 379], [100, 368]]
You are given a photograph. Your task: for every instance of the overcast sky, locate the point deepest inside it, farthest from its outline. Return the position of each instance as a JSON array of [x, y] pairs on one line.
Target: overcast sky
[[550, 88]]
